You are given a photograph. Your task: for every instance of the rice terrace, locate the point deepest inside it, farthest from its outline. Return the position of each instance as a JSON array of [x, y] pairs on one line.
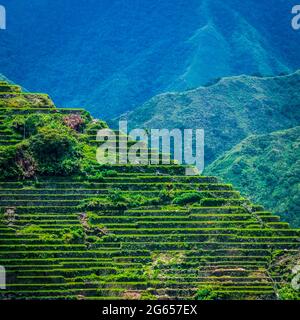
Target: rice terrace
[[72, 228]]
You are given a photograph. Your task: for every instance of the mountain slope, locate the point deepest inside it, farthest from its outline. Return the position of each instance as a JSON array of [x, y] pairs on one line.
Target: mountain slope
[[3, 78], [119, 54], [228, 111], [71, 228], [266, 168]]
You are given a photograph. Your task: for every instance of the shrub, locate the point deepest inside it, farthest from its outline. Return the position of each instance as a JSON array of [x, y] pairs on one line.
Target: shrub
[[148, 296], [73, 235], [16, 162], [96, 177], [28, 125], [110, 173], [8, 165], [75, 122], [25, 161], [31, 229], [288, 293], [95, 125], [207, 293], [187, 198], [116, 196], [166, 195], [56, 151]]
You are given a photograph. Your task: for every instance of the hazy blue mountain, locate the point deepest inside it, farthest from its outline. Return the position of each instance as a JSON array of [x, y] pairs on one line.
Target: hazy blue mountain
[[266, 168], [3, 78], [112, 55], [228, 111]]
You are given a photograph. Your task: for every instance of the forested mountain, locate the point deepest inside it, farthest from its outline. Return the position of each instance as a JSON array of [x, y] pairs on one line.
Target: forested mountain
[[228, 111], [112, 55], [266, 168]]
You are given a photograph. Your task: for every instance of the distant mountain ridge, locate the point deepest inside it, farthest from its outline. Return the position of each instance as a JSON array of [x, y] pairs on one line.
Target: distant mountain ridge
[[112, 56], [3, 78], [228, 111]]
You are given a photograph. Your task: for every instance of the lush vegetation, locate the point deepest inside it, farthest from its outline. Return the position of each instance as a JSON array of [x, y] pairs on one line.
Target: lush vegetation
[[71, 228], [143, 50], [51, 144], [17, 100], [228, 111], [266, 169]]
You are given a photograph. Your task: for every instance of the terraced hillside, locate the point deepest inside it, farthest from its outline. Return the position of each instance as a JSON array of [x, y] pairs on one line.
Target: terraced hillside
[[12, 96], [133, 232]]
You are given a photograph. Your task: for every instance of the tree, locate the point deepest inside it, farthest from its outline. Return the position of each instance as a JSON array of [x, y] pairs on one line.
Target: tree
[[56, 151]]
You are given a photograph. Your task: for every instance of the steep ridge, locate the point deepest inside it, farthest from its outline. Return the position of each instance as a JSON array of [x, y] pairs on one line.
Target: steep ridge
[[228, 111], [2, 77], [132, 231], [266, 169], [120, 54]]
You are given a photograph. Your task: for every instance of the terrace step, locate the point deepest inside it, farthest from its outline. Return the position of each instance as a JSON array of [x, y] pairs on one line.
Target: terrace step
[[52, 251]]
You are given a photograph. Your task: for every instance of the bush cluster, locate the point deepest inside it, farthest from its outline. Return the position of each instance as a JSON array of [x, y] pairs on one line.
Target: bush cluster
[[51, 145], [187, 198]]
